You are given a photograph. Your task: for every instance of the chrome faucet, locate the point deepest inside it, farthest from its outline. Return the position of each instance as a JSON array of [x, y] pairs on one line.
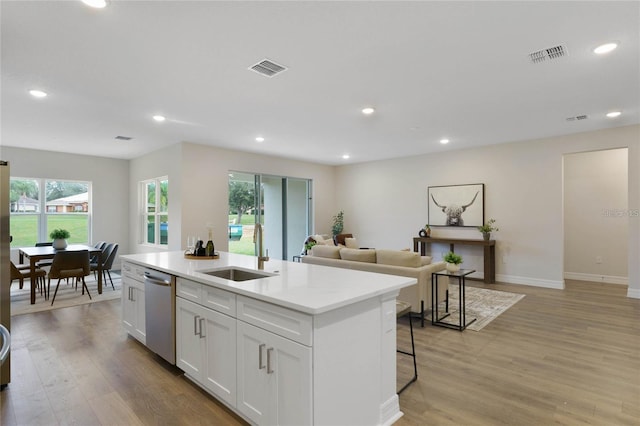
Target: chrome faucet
[[258, 236]]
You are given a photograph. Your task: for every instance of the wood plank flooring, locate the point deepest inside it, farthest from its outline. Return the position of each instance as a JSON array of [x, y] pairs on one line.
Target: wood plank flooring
[[557, 357]]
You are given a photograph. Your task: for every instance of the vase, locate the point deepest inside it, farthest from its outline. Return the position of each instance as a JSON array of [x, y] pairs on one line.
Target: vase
[[59, 244], [452, 267], [486, 236]]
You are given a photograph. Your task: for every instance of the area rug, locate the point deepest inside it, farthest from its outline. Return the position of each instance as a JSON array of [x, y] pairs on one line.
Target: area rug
[[67, 295], [482, 304]]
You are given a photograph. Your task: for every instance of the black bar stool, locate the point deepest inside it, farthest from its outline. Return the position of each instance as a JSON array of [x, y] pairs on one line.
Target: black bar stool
[[404, 309]]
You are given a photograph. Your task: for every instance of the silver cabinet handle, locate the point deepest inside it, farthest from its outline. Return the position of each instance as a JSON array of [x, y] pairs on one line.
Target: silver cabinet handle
[[260, 348], [202, 328], [131, 294], [195, 325], [269, 352]]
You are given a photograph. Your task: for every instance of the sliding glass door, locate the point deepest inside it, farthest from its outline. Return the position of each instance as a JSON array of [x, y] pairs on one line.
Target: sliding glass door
[[281, 204]]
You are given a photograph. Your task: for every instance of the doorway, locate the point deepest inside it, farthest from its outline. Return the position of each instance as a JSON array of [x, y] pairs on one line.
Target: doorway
[[596, 216], [281, 204]]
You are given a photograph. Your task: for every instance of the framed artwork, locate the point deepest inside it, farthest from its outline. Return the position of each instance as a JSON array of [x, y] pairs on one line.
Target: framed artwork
[[456, 205]]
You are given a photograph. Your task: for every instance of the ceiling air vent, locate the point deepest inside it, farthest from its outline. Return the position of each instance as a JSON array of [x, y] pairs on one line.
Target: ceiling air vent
[[123, 138], [267, 68], [548, 54], [578, 117]]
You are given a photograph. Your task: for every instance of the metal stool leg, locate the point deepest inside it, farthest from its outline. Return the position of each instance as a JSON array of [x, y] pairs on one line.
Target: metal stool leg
[[412, 354]]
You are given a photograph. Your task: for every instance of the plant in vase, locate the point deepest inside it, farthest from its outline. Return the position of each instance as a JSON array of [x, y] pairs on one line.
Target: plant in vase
[[453, 261], [338, 223], [59, 237], [487, 229]]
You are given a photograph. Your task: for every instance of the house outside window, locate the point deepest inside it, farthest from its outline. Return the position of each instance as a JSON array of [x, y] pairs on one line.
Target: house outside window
[[38, 206], [155, 211]]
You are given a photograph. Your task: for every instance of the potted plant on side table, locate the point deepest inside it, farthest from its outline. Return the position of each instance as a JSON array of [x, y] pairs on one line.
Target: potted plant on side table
[[453, 261], [487, 229], [59, 237]]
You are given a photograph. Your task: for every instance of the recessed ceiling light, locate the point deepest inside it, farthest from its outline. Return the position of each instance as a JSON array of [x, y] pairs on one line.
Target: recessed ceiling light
[[97, 4], [368, 110], [259, 139], [444, 141], [37, 93], [605, 48], [614, 114], [159, 118], [345, 156]]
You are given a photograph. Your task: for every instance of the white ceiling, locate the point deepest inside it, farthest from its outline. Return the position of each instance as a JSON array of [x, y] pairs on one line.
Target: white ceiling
[[458, 70]]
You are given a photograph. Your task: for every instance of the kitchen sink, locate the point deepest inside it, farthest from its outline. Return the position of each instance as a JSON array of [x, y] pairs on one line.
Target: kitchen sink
[[235, 274]]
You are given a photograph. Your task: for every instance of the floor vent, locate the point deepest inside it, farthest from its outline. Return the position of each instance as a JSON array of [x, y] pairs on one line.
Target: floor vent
[[548, 54], [123, 138], [267, 68]]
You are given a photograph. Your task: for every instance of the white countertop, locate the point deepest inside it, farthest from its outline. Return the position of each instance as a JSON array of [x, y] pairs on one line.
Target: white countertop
[[312, 289]]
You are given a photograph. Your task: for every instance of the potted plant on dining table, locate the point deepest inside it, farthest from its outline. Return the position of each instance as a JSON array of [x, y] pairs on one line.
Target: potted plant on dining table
[[59, 237]]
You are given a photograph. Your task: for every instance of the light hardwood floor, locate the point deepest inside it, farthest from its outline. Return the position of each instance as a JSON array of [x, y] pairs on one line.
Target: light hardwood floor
[[556, 357]]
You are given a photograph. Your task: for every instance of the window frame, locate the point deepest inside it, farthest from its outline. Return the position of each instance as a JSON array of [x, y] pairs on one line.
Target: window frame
[[157, 213], [42, 214]]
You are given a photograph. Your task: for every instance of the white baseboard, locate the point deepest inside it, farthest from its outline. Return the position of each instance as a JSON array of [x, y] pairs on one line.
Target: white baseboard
[[633, 293], [536, 282], [609, 279]]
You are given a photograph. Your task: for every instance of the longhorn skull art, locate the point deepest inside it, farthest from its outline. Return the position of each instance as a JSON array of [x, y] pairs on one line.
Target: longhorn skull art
[[454, 212]]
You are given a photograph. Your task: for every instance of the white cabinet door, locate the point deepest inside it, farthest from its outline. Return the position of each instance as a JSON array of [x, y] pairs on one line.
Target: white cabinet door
[[189, 352], [140, 329], [274, 378], [220, 355], [128, 306]]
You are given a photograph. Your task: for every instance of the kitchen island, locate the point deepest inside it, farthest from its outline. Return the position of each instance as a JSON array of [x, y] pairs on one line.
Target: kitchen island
[[305, 344]]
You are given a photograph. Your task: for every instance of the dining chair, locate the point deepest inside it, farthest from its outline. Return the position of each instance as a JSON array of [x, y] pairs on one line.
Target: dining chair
[[99, 245], [22, 274], [46, 262], [108, 256], [69, 264]]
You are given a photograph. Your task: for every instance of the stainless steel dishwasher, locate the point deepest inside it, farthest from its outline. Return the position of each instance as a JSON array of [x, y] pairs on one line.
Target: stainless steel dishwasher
[[160, 313]]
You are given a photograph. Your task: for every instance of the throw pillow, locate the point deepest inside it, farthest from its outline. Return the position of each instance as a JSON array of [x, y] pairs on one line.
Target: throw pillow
[[331, 252], [351, 243], [368, 256], [398, 258]]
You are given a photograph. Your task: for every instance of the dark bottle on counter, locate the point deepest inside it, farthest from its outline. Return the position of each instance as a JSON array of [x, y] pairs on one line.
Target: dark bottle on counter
[[199, 250], [209, 249]]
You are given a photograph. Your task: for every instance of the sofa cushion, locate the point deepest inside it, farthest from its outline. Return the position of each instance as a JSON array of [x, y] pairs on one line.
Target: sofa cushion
[[425, 260], [368, 256], [351, 243], [331, 252], [398, 258]]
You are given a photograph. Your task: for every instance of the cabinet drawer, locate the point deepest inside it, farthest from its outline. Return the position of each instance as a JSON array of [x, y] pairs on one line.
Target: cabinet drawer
[[189, 290], [133, 271], [210, 297], [285, 322]]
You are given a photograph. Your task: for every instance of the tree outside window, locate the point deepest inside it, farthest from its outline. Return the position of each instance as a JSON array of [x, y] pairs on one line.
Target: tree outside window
[[156, 211]]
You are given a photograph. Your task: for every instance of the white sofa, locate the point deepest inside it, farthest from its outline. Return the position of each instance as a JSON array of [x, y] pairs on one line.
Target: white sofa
[[391, 262]]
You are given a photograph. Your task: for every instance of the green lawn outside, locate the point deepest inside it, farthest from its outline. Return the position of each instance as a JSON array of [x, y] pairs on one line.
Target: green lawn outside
[[247, 219], [24, 228]]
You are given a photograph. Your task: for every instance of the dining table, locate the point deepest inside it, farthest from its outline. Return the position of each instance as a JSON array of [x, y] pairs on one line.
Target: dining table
[[36, 254]]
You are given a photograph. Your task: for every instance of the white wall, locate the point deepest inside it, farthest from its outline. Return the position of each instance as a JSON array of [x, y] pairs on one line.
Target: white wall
[[596, 216], [199, 183], [109, 182], [164, 162], [385, 202]]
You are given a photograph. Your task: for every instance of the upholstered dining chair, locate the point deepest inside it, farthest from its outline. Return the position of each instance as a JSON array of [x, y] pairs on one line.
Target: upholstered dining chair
[[22, 274], [69, 264], [108, 256]]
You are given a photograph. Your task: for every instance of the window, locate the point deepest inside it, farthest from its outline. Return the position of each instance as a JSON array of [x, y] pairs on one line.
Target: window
[[66, 204], [155, 211]]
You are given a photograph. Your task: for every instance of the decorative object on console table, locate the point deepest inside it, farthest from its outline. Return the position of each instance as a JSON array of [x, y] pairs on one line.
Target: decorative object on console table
[[488, 228], [453, 261], [59, 237], [425, 232], [338, 223], [456, 205]]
